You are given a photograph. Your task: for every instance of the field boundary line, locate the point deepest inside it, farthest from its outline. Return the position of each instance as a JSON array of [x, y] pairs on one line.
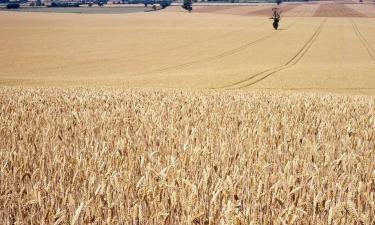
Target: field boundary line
[[291, 62], [370, 50], [218, 56]]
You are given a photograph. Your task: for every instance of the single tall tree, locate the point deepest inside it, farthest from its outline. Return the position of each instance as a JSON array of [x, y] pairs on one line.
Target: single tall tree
[[188, 5]]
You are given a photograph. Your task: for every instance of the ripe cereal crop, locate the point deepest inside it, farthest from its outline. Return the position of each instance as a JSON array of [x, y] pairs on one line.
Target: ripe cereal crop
[[157, 156]]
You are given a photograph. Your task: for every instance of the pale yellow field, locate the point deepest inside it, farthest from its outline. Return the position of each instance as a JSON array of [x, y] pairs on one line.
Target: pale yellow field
[[188, 118], [182, 50]]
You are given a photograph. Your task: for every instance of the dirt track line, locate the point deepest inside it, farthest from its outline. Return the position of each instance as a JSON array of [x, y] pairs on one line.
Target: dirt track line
[[291, 62], [231, 33], [182, 46], [363, 40], [221, 55], [294, 60]]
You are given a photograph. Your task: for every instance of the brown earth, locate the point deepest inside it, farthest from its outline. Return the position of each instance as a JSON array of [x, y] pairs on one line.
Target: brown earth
[[323, 9], [366, 9], [336, 10], [256, 10], [268, 11]]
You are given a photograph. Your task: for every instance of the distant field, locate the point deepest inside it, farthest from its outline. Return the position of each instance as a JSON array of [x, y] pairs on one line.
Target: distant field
[[86, 10], [192, 50]]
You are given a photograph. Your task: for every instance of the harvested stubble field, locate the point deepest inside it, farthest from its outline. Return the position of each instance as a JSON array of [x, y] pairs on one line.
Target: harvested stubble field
[[75, 151], [138, 156]]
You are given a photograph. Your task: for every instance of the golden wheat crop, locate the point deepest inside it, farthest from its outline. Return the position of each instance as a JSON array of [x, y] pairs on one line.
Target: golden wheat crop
[[138, 156]]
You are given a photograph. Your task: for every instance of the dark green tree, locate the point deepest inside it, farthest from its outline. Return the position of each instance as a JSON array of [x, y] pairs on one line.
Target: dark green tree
[[165, 3], [187, 5]]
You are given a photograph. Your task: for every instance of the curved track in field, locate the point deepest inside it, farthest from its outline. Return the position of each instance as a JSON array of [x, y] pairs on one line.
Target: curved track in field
[[165, 50], [181, 46], [218, 56], [227, 34], [363, 40], [255, 78]]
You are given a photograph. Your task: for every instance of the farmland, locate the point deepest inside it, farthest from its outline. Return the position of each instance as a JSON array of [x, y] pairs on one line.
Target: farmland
[[169, 117], [182, 50], [184, 157], [87, 9]]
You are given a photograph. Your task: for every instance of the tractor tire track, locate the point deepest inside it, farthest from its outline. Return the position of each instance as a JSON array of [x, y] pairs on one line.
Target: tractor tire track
[[365, 43], [227, 34], [182, 46], [296, 58], [268, 72], [215, 57]]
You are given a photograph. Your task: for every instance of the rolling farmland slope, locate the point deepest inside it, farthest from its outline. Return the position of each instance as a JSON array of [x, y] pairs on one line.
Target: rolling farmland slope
[[182, 50], [169, 117]]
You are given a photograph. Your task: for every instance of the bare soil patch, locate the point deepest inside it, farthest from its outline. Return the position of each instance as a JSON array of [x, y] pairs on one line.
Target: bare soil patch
[[336, 10], [366, 9], [345, 8], [268, 11]]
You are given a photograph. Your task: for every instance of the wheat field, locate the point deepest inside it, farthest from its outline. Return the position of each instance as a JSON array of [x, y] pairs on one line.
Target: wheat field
[[139, 156], [182, 50], [209, 117]]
